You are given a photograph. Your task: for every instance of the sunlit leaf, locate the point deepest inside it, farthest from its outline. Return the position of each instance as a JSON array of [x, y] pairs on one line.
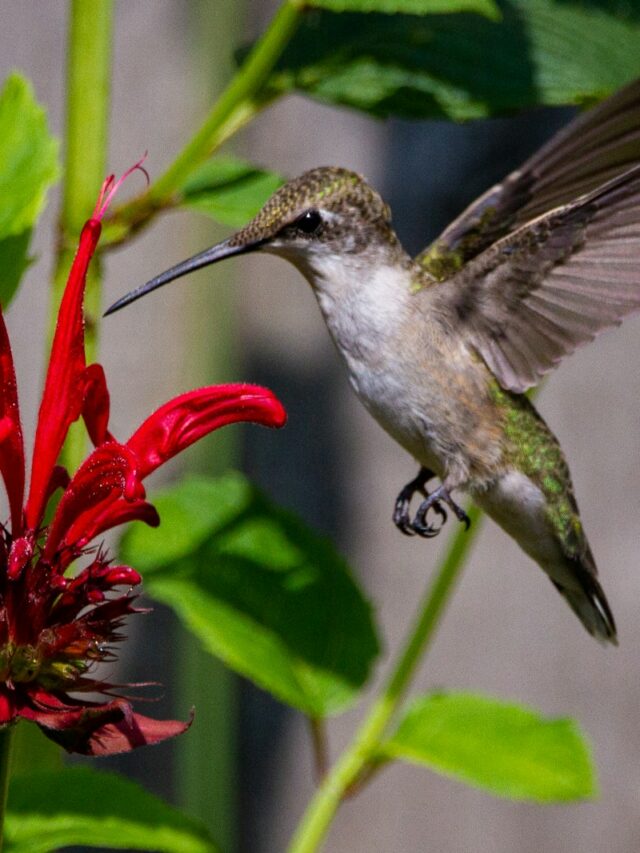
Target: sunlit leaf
[[229, 190], [28, 157], [462, 66], [506, 749], [80, 806], [412, 7], [14, 260], [28, 167], [262, 592]]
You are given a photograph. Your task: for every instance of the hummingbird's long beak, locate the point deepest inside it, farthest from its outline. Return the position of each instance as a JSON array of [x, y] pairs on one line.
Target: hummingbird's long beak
[[219, 252]]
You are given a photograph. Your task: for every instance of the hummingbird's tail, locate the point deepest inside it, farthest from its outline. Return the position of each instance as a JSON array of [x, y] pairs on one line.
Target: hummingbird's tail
[[588, 601], [541, 514]]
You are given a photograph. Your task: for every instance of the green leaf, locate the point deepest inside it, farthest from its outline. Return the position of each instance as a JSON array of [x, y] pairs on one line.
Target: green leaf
[[229, 190], [78, 805], [262, 592], [14, 260], [461, 66], [28, 167], [28, 154], [506, 749], [411, 7]]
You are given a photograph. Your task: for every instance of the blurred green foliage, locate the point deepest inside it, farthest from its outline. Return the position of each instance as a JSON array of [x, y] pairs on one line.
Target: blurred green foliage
[[273, 600]]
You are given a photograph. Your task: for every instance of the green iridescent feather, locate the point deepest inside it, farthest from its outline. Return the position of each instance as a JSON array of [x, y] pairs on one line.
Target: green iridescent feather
[[533, 449]]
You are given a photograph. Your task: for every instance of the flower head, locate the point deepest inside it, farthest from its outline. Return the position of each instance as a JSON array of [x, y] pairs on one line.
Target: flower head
[[57, 622]]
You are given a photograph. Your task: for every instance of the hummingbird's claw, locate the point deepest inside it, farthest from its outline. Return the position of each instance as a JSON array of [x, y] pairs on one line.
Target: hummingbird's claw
[[419, 524], [460, 514], [403, 523], [401, 517], [457, 510], [432, 501]]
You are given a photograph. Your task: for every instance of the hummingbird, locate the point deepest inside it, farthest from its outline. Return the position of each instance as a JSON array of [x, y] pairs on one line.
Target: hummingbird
[[442, 347]]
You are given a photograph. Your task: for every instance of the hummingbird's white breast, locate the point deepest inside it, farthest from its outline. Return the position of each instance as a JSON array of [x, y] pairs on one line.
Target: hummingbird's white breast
[[411, 375], [366, 308]]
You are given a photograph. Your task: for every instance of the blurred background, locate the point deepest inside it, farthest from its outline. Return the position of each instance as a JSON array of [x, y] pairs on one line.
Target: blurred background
[[507, 632]]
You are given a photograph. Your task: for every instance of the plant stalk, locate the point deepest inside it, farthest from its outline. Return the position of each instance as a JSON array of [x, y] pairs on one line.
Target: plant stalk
[[241, 100], [86, 136], [6, 738], [361, 754]]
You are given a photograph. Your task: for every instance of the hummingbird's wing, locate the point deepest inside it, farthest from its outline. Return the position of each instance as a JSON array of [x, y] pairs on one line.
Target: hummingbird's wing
[[534, 296], [591, 150]]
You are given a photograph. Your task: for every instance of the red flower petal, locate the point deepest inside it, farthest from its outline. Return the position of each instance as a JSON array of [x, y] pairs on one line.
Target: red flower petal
[[11, 444], [7, 706], [111, 514], [189, 417], [98, 729], [172, 428], [19, 555], [95, 408], [63, 397], [109, 471], [59, 479], [132, 731]]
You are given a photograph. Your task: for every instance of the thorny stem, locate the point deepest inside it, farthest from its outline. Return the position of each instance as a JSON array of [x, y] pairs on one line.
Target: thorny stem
[[241, 100], [361, 755]]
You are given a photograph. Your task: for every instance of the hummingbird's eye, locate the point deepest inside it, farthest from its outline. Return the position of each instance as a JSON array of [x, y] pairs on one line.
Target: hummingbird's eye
[[309, 222]]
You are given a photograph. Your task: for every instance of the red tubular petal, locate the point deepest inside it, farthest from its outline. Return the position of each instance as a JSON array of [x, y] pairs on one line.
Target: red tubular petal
[[109, 471], [59, 479], [11, 444], [122, 576], [185, 419], [95, 409], [62, 400], [19, 555], [7, 706], [108, 515]]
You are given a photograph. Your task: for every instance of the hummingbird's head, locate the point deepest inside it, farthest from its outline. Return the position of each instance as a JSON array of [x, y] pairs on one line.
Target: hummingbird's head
[[327, 216], [325, 209]]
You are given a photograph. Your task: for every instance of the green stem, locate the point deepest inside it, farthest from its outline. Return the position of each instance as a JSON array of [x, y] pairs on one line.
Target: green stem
[[361, 753], [6, 737], [88, 89], [320, 748], [241, 100], [88, 85]]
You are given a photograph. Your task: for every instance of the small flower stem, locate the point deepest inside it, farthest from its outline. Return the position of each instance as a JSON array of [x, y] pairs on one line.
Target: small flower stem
[[6, 738], [241, 100], [361, 753], [320, 748], [86, 136]]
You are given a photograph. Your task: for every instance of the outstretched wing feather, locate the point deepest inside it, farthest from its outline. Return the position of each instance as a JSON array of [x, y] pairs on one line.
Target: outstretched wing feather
[[593, 149], [551, 286]]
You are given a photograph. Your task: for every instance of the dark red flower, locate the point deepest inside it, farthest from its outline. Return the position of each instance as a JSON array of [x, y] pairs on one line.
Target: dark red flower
[[57, 622]]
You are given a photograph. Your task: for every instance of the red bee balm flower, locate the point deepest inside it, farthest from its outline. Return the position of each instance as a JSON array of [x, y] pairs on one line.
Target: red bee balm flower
[[57, 624]]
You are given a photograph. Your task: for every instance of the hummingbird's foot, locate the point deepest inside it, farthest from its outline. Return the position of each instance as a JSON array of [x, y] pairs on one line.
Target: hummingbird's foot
[[420, 525], [401, 517], [459, 513]]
